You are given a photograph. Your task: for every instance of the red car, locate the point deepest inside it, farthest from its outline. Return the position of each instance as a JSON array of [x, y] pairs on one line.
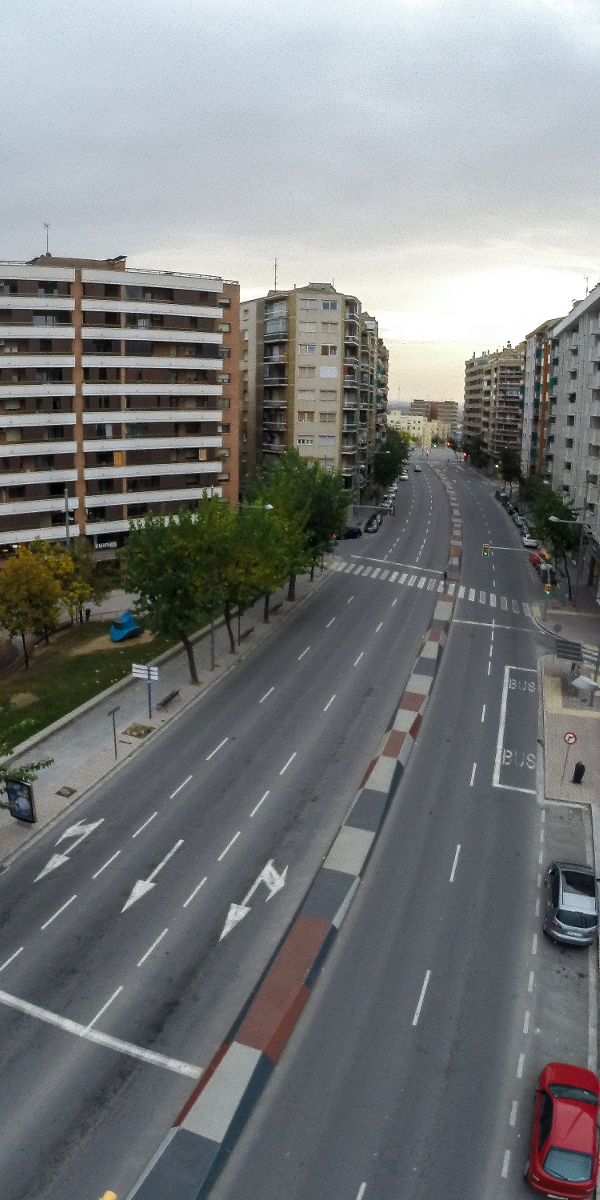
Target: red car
[[563, 1159], [536, 560]]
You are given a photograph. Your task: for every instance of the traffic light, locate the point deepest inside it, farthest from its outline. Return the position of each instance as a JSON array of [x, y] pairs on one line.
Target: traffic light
[[548, 589], [464, 454], [486, 550]]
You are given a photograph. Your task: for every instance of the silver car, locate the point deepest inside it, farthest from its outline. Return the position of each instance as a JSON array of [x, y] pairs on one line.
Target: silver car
[[571, 904]]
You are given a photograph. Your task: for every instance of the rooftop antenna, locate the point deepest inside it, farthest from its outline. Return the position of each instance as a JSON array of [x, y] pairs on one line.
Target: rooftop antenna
[[47, 228], [587, 284], [275, 269]]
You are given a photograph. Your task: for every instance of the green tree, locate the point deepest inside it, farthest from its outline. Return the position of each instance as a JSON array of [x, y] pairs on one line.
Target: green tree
[[162, 571], [510, 465], [390, 458], [454, 445], [29, 597], [27, 772], [100, 577], [257, 563], [285, 485], [59, 563], [562, 538], [477, 450], [327, 512]]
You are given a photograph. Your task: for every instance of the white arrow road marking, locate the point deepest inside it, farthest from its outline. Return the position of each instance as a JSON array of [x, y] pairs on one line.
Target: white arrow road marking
[[272, 880], [79, 832], [145, 885]]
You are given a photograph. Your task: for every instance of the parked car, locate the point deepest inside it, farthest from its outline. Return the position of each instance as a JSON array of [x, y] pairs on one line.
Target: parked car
[[536, 561], [123, 628], [563, 1154], [571, 904], [548, 573], [530, 543], [404, 475], [353, 531], [416, 467], [518, 520], [373, 523]]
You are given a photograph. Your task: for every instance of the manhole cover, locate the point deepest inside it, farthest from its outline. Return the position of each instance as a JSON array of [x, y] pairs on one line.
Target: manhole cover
[[140, 731], [66, 791]]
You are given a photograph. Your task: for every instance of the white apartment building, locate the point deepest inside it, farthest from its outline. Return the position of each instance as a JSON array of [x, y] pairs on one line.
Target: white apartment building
[[314, 376], [121, 386], [573, 429], [493, 398]]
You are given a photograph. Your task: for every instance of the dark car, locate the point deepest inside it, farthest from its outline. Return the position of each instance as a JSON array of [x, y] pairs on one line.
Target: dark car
[[373, 523], [353, 531], [571, 904], [563, 1155]]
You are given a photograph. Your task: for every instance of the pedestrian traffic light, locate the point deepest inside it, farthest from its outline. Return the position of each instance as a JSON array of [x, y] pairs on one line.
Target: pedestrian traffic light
[[548, 589], [486, 550]]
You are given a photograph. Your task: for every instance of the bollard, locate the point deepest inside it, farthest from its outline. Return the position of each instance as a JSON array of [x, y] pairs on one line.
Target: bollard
[[578, 773]]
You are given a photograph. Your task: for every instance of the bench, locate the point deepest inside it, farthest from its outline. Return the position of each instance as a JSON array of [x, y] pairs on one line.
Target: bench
[[167, 699]]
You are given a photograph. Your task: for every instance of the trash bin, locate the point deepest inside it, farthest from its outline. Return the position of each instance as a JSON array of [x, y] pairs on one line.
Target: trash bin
[[579, 772]]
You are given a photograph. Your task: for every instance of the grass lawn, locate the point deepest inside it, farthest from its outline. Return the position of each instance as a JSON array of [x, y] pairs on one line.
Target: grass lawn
[[79, 663]]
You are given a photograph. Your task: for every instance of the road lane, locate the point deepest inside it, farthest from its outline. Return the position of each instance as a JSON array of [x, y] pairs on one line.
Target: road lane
[[156, 971]]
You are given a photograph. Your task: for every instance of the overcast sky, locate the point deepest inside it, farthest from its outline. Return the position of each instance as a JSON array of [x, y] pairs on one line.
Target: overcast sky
[[437, 158]]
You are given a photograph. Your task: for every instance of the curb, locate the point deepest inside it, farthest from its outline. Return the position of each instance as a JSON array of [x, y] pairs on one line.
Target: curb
[[204, 1134]]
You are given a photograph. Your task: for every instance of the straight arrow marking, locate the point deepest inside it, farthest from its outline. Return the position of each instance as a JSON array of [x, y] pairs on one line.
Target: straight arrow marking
[[145, 885]]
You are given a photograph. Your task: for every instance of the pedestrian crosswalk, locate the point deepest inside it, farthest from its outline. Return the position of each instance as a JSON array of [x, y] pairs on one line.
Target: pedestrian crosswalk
[[431, 583]]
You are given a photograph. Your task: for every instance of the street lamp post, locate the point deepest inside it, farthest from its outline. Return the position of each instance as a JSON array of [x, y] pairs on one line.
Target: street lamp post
[[67, 524]]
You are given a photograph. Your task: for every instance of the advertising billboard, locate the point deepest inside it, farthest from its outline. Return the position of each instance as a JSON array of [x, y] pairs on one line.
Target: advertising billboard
[[20, 800]]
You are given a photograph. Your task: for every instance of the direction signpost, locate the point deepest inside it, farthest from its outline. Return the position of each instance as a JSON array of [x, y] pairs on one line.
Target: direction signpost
[[148, 672]]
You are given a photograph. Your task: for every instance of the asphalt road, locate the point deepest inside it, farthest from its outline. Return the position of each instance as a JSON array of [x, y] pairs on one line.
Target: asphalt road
[[399, 1078], [109, 1009]]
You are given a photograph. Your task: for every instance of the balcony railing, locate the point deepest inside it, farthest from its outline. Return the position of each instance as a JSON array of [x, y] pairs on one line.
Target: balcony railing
[[275, 380]]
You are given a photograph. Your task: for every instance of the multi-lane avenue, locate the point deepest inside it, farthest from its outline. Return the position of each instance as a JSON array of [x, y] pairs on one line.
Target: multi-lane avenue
[[405, 1074], [115, 984]]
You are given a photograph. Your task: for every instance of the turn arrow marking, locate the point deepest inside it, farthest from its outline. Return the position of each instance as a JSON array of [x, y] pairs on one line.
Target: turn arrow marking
[[79, 832], [272, 880], [145, 885]]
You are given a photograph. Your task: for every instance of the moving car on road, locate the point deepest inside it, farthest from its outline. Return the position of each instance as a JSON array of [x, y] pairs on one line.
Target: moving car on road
[[373, 523], [417, 467], [563, 1156], [571, 904]]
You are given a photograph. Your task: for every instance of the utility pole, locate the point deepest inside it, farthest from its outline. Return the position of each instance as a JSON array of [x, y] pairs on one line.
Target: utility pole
[[47, 228], [275, 282]]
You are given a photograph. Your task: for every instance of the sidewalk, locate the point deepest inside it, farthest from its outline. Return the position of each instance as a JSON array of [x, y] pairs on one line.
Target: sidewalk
[[81, 743], [565, 713]]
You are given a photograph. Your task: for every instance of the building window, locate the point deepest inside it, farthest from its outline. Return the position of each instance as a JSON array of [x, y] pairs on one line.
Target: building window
[[224, 327], [306, 415], [306, 372], [307, 327], [327, 418], [568, 466], [330, 306], [569, 443], [223, 377], [307, 348], [329, 327], [306, 394], [223, 352], [306, 441], [327, 439], [328, 350], [305, 302], [570, 420]]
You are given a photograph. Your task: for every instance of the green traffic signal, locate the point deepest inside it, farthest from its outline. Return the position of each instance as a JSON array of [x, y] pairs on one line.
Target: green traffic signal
[[486, 550]]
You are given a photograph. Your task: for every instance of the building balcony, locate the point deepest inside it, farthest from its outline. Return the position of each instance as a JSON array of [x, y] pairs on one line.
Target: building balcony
[[13, 508], [24, 420], [275, 358], [275, 380], [348, 445], [131, 333], [154, 468], [349, 426], [144, 308], [155, 496], [153, 362], [169, 441], [280, 336], [130, 389], [350, 403], [273, 447], [269, 424], [38, 361], [136, 416], [14, 330], [29, 449]]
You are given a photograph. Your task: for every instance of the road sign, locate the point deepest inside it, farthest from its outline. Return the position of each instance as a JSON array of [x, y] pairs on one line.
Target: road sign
[[570, 738], [570, 650], [144, 671]]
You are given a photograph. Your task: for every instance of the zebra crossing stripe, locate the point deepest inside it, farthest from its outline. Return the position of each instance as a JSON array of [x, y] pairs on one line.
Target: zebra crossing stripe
[[471, 593], [384, 574], [515, 606], [526, 610], [403, 577], [461, 592], [358, 570], [367, 571], [375, 573], [482, 597], [412, 580], [451, 588], [440, 586], [492, 600], [431, 585], [350, 569], [393, 576], [504, 603], [422, 581]]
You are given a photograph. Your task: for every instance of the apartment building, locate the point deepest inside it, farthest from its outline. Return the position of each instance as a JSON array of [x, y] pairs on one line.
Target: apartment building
[[445, 411], [493, 399], [120, 385], [536, 388], [314, 376], [573, 429], [410, 423]]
